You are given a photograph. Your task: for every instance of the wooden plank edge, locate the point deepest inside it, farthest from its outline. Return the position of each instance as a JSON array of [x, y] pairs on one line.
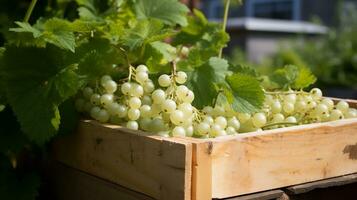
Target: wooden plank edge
[[201, 188], [266, 195], [331, 182]]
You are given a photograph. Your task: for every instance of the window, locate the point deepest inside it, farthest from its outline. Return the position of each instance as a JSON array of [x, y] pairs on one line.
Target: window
[[271, 9], [274, 9], [212, 8]]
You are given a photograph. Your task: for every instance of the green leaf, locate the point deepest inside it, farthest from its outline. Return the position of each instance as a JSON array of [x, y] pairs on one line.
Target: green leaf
[[203, 80], [86, 3], [171, 12], [158, 55], [244, 69], [84, 26], [285, 77], [197, 26], [97, 58], [304, 79], [166, 50], [64, 84], [144, 32], [293, 77], [206, 35], [55, 31], [36, 85], [58, 32], [88, 15], [205, 39], [26, 27], [244, 93]]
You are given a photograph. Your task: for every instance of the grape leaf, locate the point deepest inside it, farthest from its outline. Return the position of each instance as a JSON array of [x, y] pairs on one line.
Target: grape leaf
[[292, 76], [84, 26], [244, 69], [58, 32], [33, 96], [244, 93], [158, 55], [26, 27], [166, 50], [171, 12], [144, 32], [203, 79], [96, 58], [203, 34], [87, 3], [304, 79], [55, 31], [205, 39], [88, 15], [196, 58], [197, 25]]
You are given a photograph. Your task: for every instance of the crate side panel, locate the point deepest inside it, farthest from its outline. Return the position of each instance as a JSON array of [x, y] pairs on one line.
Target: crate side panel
[[261, 162], [142, 163]]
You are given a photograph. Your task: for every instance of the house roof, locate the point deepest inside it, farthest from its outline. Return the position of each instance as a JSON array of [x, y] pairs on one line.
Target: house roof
[[273, 25]]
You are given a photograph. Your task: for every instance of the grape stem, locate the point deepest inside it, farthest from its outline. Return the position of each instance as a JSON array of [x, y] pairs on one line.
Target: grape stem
[[287, 92], [225, 19], [215, 99], [131, 68], [173, 71], [29, 10], [280, 123], [130, 73]]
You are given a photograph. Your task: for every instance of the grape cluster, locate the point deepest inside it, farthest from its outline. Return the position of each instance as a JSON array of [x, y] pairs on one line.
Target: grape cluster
[[167, 109], [299, 107], [217, 121], [138, 104]]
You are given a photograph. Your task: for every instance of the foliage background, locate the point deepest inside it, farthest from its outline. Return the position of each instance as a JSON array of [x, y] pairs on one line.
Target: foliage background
[[331, 57]]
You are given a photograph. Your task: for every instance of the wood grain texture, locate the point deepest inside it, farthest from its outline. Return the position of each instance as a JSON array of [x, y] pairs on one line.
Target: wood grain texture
[[158, 167], [202, 171], [71, 184], [278, 158]]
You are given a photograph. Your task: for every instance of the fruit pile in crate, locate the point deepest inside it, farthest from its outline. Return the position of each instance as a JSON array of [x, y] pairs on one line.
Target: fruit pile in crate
[[167, 109]]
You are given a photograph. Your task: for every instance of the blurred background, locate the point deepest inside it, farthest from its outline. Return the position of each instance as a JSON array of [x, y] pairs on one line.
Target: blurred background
[[319, 34]]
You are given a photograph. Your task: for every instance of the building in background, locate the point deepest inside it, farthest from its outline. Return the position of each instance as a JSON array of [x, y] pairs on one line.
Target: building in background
[[259, 26]]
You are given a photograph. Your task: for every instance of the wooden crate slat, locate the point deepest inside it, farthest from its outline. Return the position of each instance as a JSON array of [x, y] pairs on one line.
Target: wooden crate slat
[[137, 162], [201, 171], [274, 159], [71, 184]]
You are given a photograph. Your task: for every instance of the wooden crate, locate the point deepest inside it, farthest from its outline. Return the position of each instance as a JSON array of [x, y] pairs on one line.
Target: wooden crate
[[201, 169]]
